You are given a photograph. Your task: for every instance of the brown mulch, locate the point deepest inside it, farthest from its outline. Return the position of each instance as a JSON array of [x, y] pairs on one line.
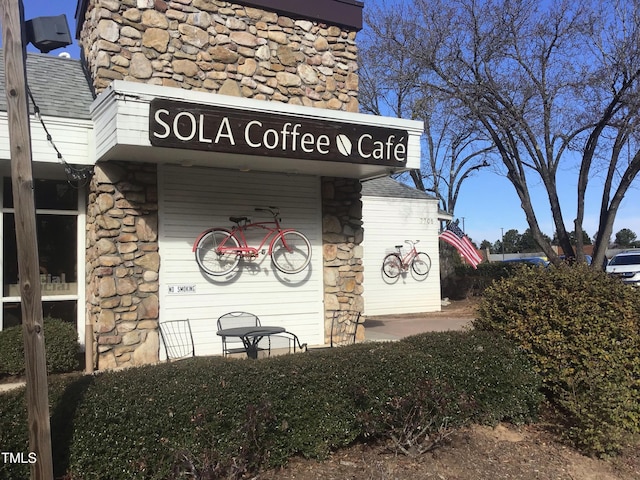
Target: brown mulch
[[474, 453]]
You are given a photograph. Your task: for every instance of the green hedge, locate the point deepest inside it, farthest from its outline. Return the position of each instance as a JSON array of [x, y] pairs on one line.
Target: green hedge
[[467, 281], [61, 346], [216, 418], [582, 330]]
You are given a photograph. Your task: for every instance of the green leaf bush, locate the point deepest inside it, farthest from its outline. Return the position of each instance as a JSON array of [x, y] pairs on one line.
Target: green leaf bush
[[61, 346], [220, 418], [582, 330], [467, 281]]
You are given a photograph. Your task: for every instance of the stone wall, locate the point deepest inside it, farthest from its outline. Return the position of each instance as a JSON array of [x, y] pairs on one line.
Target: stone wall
[[123, 264], [342, 236], [221, 47]]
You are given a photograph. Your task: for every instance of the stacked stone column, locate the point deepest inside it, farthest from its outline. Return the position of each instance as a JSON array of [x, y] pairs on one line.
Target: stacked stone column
[[342, 236], [123, 264]]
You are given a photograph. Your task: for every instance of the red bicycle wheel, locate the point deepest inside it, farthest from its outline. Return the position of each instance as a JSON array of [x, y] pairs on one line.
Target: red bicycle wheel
[[291, 252], [392, 265], [421, 264]]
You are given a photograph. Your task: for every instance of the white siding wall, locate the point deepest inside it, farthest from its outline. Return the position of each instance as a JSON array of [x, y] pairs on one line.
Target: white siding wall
[[74, 139], [389, 222], [194, 199]]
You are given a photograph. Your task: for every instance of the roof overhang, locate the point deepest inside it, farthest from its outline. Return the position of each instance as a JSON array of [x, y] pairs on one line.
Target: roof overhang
[[444, 216], [345, 13], [166, 125]]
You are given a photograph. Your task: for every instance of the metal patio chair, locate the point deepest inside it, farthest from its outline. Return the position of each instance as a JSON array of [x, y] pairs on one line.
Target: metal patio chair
[[285, 342], [344, 328], [232, 345], [177, 339]]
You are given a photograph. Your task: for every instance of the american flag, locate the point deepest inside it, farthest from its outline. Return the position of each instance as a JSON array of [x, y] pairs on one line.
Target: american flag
[[453, 235]]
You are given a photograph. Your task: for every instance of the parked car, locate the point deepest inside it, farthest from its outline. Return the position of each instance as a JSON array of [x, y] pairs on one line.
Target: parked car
[[587, 258], [626, 266], [539, 261]]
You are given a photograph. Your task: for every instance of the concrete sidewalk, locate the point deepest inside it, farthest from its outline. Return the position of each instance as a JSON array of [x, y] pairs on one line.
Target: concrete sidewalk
[[395, 327], [5, 387]]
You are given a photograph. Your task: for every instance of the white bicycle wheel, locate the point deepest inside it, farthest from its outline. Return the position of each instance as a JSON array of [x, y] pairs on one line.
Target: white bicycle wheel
[[291, 252], [209, 256]]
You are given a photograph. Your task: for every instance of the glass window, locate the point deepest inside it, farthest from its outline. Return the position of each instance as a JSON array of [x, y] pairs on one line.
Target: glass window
[[57, 247], [625, 260], [11, 314], [49, 194], [57, 230], [65, 310]]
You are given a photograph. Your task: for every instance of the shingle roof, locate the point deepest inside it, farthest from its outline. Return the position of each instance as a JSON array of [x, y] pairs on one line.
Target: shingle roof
[[388, 187], [58, 84]]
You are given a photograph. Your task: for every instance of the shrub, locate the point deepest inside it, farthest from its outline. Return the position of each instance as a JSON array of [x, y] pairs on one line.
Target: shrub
[[61, 345], [473, 377], [468, 281], [220, 418], [11, 351], [580, 327]]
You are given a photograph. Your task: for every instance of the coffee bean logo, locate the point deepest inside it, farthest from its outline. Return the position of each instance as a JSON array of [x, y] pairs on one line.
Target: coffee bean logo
[[344, 144]]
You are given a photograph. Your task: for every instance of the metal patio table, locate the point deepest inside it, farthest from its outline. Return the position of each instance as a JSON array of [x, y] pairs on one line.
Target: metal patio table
[[250, 336]]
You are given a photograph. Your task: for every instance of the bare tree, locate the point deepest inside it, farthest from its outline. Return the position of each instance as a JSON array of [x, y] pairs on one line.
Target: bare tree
[[390, 82], [454, 153], [613, 141], [550, 83]]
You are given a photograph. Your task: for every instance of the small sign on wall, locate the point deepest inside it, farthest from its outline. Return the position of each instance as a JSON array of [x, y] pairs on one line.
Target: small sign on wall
[[181, 289]]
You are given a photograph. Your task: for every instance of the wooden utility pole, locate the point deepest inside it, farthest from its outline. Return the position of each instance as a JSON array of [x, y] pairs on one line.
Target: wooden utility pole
[[12, 22]]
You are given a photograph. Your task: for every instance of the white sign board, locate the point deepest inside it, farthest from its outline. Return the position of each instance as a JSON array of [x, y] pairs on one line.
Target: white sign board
[[181, 289]]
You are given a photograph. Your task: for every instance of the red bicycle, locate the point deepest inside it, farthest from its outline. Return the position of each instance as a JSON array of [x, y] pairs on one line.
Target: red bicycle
[[219, 250], [395, 263]]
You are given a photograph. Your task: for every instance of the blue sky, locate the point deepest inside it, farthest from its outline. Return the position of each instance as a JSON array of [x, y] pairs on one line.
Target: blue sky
[[487, 201]]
